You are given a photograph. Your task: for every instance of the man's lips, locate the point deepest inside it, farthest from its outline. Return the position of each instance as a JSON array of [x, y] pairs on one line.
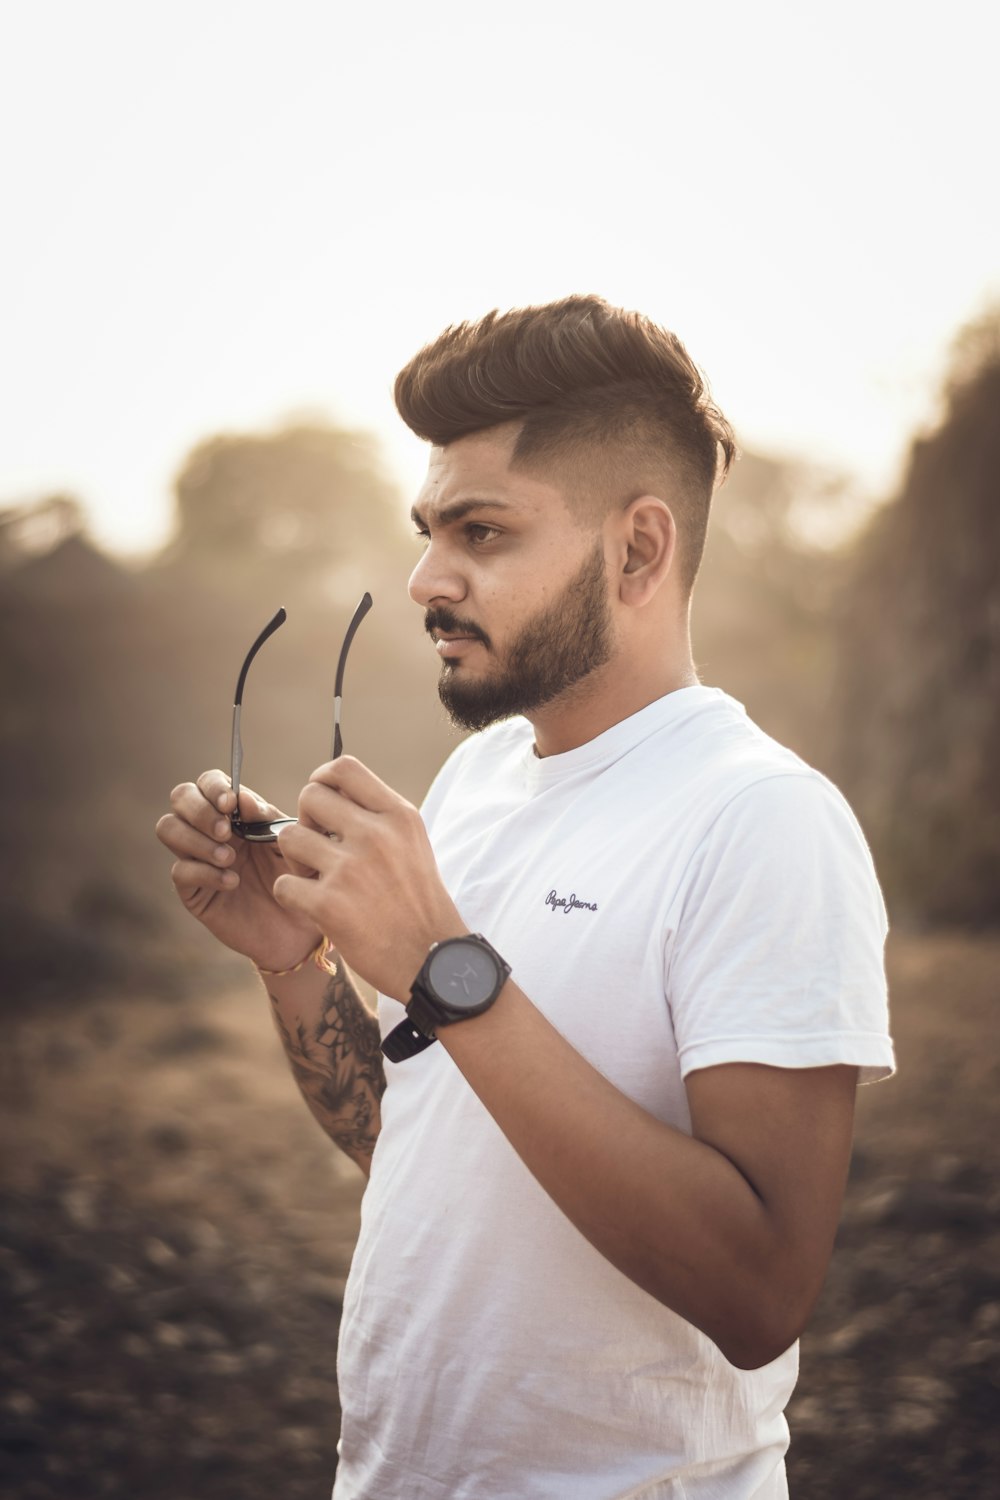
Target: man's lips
[[453, 645], [452, 636]]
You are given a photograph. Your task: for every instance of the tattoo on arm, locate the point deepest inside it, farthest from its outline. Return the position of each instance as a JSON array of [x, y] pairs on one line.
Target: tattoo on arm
[[337, 1063]]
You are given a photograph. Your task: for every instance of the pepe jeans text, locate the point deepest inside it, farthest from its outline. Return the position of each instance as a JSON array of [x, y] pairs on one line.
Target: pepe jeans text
[[566, 904]]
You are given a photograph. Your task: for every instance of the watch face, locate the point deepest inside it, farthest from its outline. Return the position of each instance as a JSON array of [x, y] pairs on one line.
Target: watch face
[[462, 974]]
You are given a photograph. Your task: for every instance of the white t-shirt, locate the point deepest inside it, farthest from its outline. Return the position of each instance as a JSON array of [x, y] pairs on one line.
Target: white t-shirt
[[679, 892]]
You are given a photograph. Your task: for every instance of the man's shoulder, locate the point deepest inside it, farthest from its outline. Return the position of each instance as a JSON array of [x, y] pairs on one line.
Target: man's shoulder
[[712, 779], [714, 743], [738, 768]]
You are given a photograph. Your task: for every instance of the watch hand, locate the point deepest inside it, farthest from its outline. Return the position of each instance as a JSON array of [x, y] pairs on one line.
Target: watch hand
[[467, 973]]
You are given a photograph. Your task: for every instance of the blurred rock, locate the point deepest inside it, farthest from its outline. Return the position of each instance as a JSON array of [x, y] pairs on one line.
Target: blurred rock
[[122, 1363], [158, 1253], [867, 1327], [925, 1206], [170, 1138], [328, 1289], [986, 1319]]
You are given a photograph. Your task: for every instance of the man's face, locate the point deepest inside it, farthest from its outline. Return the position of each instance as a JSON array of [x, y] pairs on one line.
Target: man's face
[[513, 585]]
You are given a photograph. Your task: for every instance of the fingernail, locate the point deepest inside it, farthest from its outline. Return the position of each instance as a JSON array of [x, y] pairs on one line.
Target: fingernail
[[222, 853], [221, 828], [230, 878]]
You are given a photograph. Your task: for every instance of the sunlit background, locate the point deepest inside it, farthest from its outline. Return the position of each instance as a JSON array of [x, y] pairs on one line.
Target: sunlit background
[[224, 229], [218, 213]]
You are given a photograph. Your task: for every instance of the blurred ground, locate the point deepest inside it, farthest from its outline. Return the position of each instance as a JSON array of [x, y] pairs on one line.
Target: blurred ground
[[176, 1231]]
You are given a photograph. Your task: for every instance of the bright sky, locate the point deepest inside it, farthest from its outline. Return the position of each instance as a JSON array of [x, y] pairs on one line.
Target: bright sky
[[216, 214]]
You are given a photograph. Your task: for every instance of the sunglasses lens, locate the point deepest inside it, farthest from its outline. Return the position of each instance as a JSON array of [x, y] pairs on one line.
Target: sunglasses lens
[[260, 833]]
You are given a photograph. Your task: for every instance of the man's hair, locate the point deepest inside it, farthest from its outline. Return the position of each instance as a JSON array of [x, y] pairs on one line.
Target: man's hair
[[610, 405]]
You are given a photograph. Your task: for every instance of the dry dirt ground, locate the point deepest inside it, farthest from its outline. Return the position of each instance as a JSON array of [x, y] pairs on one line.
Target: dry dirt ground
[[176, 1231]]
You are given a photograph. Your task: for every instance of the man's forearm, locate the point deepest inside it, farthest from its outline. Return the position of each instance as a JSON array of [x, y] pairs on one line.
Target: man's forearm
[[332, 1042]]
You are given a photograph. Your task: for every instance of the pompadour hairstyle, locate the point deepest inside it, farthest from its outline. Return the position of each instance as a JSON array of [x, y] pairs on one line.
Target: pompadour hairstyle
[[606, 399]]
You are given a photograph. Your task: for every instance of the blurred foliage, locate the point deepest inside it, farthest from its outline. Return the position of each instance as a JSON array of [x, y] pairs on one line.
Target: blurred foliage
[[918, 630], [879, 662], [26, 530], [281, 496], [762, 606]]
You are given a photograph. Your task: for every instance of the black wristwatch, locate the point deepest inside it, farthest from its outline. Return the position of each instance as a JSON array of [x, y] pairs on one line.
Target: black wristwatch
[[459, 978]]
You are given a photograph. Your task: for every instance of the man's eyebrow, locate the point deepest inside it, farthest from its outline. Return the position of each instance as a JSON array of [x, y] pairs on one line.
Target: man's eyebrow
[[454, 510]]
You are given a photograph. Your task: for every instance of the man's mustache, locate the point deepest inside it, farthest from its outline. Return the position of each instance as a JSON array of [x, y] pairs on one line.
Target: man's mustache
[[452, 624]]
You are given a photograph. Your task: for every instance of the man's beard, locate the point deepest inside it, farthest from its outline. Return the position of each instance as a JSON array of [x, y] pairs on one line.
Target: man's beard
[[551, 653]]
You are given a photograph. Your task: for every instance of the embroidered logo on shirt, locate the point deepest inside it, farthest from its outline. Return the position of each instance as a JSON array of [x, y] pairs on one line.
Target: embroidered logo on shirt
[[566, 904]]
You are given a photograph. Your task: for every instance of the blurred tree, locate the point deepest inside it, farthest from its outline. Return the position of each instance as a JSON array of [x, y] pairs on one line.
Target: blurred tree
[[37, 526], [761, 624], [309, 500], [919, 648]]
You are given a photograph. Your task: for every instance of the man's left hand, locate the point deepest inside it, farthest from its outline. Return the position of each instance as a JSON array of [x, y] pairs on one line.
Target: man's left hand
[[361, 867]]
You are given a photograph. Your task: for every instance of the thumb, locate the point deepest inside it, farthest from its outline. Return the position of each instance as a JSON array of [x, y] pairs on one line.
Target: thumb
[[293, 866]]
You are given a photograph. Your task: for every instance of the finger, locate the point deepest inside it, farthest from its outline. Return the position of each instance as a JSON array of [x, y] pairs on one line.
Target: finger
[[328, 811], [196, 803], [302, 897], [353, 779], [306, 851], [289, 863], [186, 841], [191, 875], [189, 803], [216, 787]]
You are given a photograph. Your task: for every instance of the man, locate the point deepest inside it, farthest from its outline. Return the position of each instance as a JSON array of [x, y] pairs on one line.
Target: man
[[605, 1181]]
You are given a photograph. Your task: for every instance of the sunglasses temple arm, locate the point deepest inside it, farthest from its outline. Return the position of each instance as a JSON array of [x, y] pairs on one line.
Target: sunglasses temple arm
[[237, 757], [338, 743], [272, 625], [364, 606]]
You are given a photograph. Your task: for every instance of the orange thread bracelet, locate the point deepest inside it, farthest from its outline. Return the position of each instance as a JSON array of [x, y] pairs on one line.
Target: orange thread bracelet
[[318, 956]]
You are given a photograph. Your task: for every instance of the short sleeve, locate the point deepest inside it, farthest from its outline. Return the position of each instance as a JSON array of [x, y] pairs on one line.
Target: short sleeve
[[775, 953]]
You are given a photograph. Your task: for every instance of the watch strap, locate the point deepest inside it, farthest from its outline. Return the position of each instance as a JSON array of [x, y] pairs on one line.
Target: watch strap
[[421, 1012], [405, 1040]]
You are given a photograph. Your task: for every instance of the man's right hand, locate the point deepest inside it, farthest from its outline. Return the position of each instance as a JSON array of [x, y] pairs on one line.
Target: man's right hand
[[225, 881]]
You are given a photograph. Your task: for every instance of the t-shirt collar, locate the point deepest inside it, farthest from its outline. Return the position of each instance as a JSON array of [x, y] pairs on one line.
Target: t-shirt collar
[[622, 737]]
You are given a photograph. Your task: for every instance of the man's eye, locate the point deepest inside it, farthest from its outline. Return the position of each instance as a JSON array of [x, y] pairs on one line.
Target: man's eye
[[478, 532], [421, 534]]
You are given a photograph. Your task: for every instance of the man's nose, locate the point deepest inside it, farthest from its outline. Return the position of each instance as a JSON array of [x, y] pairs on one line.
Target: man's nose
[[432, 579]]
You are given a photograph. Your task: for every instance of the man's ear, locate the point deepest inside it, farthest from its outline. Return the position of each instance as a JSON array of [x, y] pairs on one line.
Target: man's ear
[[649, 538]]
